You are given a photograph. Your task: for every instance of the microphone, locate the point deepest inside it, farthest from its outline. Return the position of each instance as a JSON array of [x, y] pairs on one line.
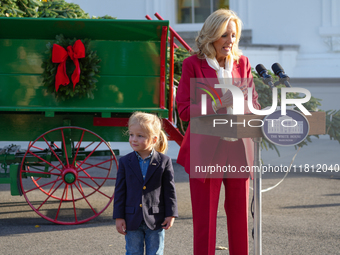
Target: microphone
[[284, 78], [263, 72]]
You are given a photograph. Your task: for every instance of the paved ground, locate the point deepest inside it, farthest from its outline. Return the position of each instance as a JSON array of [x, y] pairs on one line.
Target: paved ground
[[300, 216]]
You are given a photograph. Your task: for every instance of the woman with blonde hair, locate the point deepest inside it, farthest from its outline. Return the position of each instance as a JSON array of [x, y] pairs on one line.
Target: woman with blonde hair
[[217, 60]]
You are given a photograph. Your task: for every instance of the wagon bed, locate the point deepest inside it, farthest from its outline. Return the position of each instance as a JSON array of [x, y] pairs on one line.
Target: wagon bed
[[130, 73]]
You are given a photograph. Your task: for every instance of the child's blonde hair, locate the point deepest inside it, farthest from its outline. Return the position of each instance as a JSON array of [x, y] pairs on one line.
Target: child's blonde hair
[[152, 125]]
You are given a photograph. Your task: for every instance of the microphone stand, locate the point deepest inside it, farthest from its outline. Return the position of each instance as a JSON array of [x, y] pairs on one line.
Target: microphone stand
[[257, 187], [257, 182]]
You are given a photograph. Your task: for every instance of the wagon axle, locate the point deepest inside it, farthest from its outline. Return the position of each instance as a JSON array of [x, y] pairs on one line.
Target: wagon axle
[[70, 175]]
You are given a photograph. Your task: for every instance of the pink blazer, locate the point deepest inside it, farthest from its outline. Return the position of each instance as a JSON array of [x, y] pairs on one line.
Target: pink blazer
[[203, 147]]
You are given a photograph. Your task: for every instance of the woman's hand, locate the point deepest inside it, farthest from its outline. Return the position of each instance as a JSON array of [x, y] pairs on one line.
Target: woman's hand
[[242, 85], [121, 226], [168, 222], [227, 98]]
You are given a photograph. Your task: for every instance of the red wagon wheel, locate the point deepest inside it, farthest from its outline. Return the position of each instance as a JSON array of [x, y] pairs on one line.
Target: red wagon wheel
[[67, 175], [36, 180]]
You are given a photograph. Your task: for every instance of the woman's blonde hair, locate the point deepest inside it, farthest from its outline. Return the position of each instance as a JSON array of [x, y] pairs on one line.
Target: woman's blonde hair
[[152, 126], [213, 28]]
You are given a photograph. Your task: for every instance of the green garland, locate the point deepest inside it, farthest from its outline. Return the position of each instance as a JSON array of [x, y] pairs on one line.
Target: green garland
[[89, 70]]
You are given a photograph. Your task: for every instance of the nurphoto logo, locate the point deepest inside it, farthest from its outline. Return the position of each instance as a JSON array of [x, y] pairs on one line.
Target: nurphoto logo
[[238, 100]]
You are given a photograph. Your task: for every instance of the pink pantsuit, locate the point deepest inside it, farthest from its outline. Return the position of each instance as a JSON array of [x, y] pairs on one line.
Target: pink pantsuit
[[204, 150]]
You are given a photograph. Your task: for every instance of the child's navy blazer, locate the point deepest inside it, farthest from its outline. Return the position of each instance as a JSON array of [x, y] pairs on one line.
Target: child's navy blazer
[[152, 199]]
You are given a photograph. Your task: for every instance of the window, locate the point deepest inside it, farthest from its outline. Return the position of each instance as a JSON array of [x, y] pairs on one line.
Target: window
[[196, 11]]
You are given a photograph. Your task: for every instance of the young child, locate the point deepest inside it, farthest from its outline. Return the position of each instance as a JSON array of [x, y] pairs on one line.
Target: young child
[[145, 199]]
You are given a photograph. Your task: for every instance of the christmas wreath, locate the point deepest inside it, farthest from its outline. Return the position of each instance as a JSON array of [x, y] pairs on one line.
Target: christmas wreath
[[70, 69]]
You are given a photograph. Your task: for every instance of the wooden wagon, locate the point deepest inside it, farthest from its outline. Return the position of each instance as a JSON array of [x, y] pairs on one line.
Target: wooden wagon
[[68, 171]]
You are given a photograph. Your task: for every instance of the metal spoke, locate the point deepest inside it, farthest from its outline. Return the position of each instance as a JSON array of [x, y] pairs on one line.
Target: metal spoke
[[55, 145], [61, 201], [34, 167], [35, 181], [41, 186], [49, 146], [66, 156], [96, 189], [74, 205], [66, 195], [95, 165], [91, 153], [81, 139], [45, 173], [44, 161], [106, 178], [90, 177], [35, 147], [85, 199], [80, 186], [49, 196], [54, 184], [89, 145]]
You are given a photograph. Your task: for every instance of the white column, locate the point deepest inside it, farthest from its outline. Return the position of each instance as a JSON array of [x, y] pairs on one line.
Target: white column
[[334, 13], [329, 29], [241, 7]]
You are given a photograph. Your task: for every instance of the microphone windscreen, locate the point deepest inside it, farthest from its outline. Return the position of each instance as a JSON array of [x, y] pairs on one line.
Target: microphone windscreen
[[277, 68], [260, 68]]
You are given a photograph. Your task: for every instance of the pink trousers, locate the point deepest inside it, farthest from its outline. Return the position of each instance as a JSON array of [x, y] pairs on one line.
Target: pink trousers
[[205, 197]]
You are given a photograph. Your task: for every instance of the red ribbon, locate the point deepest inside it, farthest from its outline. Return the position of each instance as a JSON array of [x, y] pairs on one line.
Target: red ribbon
[[60, 55]]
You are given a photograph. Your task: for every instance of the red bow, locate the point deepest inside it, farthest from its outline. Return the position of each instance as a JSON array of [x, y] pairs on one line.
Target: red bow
[[60, 55]]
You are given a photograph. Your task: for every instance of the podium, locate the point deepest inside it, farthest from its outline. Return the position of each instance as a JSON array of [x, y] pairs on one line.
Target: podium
[[241, 128]]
